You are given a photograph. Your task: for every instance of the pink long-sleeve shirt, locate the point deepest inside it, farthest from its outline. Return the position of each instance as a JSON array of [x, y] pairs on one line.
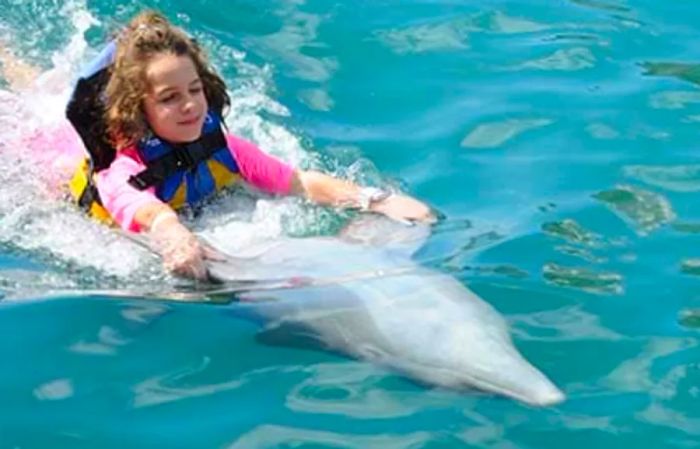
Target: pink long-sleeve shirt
[[122, 200]]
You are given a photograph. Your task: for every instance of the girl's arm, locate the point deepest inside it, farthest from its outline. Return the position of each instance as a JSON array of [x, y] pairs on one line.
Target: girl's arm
[[325, 189], [271, 175], [138, 211]]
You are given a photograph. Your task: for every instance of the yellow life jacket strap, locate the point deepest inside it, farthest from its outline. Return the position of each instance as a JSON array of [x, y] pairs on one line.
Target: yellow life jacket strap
[[84, 192]]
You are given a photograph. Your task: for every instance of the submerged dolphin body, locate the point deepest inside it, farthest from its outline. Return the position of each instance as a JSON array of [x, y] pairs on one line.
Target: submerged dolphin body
[[417, 321]]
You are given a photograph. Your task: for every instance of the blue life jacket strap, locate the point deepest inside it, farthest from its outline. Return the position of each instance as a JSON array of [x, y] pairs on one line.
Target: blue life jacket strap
[[182, 158]]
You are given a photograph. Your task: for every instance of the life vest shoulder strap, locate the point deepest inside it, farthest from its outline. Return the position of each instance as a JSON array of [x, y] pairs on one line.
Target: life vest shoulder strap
[[85, 109], [181, 158]]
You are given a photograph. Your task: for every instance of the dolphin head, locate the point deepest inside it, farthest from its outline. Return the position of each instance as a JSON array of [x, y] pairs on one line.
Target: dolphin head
[[454, 339], [461, 359]]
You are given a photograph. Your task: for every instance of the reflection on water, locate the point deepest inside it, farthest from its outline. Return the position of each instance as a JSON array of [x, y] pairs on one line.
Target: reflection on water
[[581, 253], [572, 232], [674, 178], [179, 385], [683, 71], [602, 131], [639, 373], [106, 342], [690, 318], [611, 6], [686, 227], [584, 278], [674, 99], [359, 390], [424, 38], [691, 266], [453, 34], [659, 415], [290, 45], [55, 390], [510, 271], [643, 209], [495, 134], [272, 436], [570, 59], [571, 323]]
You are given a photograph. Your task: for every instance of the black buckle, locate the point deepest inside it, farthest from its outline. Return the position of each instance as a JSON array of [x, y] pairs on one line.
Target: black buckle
[[138, 182], [183, 159]]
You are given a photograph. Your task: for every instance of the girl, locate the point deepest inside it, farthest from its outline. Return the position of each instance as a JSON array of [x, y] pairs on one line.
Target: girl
[[149, 113]]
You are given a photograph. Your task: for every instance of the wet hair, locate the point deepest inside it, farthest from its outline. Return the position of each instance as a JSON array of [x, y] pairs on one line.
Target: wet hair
[[147, 35]]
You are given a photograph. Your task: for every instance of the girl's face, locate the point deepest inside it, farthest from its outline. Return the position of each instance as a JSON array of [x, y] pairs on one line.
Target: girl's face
[[175, 105]]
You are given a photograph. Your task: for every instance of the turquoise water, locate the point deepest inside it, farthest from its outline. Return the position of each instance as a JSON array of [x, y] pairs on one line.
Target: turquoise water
[[563, 132]]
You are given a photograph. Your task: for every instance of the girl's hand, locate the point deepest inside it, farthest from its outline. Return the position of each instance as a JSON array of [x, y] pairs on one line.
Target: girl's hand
[[181, 251], [404, 209]]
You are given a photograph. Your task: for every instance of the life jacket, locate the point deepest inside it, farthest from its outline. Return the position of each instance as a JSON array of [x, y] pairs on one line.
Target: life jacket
[[187, 173], [182, 174]]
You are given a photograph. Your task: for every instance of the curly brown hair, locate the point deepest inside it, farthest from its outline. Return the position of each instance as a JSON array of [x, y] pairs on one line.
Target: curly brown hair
[[147, 35]]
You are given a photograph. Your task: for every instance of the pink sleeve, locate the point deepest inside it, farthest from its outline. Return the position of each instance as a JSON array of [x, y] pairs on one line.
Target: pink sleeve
[[119, 198], [260, 169]]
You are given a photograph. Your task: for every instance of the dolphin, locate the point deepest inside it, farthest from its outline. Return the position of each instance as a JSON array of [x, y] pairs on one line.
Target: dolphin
[[362, 295]]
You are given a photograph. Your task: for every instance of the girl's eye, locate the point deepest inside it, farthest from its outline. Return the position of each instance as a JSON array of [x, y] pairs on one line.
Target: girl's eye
[[196, 90], [168, 98]]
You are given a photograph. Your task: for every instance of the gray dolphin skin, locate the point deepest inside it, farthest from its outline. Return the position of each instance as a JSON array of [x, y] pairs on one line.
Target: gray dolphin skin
[[363, 296]]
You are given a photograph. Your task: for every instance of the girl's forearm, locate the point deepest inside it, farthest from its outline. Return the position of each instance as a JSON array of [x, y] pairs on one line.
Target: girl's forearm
[[324, 189], [152, 215]]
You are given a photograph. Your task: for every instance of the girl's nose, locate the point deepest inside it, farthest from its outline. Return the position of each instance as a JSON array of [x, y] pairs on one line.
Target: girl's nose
[[189, 104]]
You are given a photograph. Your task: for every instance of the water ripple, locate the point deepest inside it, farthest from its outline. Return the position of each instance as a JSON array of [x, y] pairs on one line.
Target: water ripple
[[290, 46], [573, 232], [570, 323], [495, 134], [686, 227], [580, 253], [683, 71], [55, 390], [673, 99], [636, 374], [316, 99], [584, 279], [602, 131], [690, 318], [664, 416], [452, 35], [107, 342], [358, 390], [173, 386], [569, 59], [609, 6], [273, 436], [644, 209], [675, 178], [691, 266], [500, 22]]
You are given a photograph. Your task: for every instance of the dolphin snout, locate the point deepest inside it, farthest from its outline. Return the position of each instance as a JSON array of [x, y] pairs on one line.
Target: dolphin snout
[[541, 392], [546, 397]]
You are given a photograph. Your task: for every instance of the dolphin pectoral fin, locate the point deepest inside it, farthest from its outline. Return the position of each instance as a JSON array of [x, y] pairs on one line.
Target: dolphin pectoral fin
[[382, 232]]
